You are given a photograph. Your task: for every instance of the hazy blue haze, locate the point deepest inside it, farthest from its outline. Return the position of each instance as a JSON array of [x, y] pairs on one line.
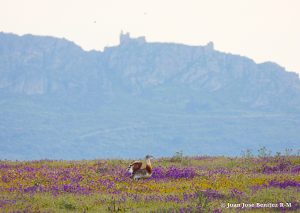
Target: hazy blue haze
[[58, 101]]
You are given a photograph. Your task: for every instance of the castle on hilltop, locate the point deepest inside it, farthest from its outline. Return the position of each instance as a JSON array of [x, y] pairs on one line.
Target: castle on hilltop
[[125, 39]]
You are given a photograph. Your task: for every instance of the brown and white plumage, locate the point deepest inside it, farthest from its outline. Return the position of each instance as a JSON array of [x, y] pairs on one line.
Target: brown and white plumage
[[135, 169], [136, 165]]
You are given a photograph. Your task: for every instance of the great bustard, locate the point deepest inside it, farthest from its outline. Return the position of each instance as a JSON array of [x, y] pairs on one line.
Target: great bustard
[[135, 169]]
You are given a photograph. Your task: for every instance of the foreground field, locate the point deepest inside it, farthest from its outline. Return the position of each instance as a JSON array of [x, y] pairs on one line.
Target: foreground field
[[178, 184]]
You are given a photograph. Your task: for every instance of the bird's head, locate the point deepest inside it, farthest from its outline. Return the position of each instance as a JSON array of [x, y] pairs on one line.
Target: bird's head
[[149, 157]]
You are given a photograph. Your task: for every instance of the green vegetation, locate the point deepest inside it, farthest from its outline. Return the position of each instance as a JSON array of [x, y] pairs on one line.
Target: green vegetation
[[178, 184]]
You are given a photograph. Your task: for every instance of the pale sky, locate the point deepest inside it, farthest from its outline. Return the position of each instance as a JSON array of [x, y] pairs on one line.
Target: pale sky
[[264, 30]]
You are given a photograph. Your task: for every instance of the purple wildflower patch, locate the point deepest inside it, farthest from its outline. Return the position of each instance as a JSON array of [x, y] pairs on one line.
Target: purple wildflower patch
[[284, 184], [199, 187], [295, 169], [173, 172], [280, 167]]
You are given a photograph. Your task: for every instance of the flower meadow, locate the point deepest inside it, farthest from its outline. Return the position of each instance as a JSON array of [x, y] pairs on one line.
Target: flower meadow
[[186, 184]]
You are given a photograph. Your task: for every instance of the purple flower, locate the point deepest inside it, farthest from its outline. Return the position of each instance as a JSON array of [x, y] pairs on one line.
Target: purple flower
[[285, 184], [281, 167], [31, 189], [221, 171], [77, 178], [173, 172], [172, 198], [295, 169], [5, 179], [6, 202], [236, 194], [4, 166], [211, 194]]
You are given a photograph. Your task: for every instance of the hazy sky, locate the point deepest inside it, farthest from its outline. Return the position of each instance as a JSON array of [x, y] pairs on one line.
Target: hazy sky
[[260, 29]]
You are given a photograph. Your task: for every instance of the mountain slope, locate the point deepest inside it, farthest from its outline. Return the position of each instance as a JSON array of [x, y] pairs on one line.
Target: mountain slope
[[139, 97]]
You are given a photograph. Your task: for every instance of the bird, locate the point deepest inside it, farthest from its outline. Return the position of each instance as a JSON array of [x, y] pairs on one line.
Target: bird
[[135, 169]]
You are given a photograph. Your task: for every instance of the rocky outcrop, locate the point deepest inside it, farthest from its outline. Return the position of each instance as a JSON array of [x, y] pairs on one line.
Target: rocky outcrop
[[137, 96], [36, 65]]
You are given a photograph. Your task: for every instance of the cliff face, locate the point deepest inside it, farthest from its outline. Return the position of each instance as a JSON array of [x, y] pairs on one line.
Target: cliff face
[[124, 83], [41, 65], [44, 65]]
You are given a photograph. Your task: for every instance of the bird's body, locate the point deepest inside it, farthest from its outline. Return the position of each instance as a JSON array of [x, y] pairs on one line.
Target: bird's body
[[137, 172]]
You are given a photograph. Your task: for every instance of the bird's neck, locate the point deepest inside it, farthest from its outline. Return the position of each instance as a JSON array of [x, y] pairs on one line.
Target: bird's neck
[[148, 166], [148, 162]]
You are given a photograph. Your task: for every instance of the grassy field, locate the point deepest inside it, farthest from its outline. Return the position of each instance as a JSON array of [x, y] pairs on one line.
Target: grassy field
[[178, 184]]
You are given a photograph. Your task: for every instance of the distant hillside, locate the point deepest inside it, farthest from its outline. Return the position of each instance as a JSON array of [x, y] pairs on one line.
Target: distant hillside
[[59, 101]]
